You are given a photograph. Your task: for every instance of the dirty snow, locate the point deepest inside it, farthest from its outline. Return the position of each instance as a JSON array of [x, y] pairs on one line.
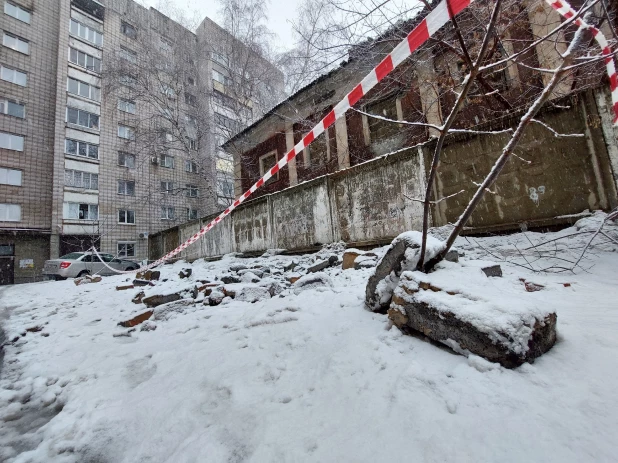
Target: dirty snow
[[312, 376]]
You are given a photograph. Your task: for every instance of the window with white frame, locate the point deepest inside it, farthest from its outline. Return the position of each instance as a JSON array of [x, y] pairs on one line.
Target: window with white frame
[[82, 118], [267, 161], [126, 216], [191, 214], [10, 176], [126, 106], [192, 142], [126, 249], [8, 141], [128, 55], [86, 33], [167, 187], [191, 100], [11, 108], [81, 148], [225, 187], [191, 167], [13, 76], [84, 60], [191, 80], [82, 211], [126, 132], [126, 159], [77, 87], [165, 136], [165, 45], [220, 58], [167, 161], [227, 123], [192, 191], [10, 212], [167, 213], [128, 30], [17, 12], [191, 121], [218, 77], [126, 187], [79, 179], [168, 91], [16, 43]]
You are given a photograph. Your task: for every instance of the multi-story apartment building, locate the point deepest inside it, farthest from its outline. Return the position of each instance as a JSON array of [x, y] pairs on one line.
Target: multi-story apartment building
[[110, 119]]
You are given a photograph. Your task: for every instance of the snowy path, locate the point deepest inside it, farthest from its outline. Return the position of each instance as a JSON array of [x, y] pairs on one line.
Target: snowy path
[[308, 377]]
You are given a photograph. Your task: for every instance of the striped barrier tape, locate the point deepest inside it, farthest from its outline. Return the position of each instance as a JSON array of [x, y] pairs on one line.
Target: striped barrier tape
[[437, 18]]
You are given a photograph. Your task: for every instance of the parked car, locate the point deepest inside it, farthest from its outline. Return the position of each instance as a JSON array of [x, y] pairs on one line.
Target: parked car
[[78, 264]]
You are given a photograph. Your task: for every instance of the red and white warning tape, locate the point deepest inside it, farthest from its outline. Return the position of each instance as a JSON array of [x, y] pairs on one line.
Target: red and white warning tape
[[437, 18]]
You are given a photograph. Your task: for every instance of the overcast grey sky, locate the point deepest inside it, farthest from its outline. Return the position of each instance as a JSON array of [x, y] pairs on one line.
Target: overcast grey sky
[[280, 13]]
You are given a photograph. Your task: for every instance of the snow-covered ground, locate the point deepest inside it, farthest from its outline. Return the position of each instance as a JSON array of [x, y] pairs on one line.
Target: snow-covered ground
[[308, 375]]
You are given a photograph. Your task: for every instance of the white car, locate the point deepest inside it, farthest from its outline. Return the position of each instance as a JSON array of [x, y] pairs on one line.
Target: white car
[[78, 264]]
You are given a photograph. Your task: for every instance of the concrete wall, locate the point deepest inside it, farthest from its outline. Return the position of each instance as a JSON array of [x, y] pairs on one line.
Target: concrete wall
[[373, 202]]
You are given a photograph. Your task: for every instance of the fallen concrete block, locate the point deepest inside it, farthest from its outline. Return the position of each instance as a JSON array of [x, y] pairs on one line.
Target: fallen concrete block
[[148, 326], [349, 256], [137, 319], [185, 273], [492, 271], [149, 275], [215, 298], [137, 282], [237, 267], [154, 301], [137, 299], [403, 254], [125, 287], [252, 294], [229, 279], [365, 261], [318, 267], [312, 281], [509, 335], [452, 256], [87, 279], [165, 311]]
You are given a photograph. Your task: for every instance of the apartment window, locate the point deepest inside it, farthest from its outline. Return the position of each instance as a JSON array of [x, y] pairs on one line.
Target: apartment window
[[126, 160], [128, 55], [79, 179], [223, 100], [128, 30], [82, 118], [190, 80], [126, 249], [192, 191], [225, 187], [168, 91], [220, 58], [81, 148], [10, 176], [218, 77], [227, 123], [14, 76], [167, 213], [10, 108], [82, 211], [9, 141], [126, 216], [126, 187], [16, 43], [165, 136], [128, 80], [84, 60], [167, 187], [191, 214], [17, 12], [191, 167], [167, 161], [191, 100], [86, 33], [126, 132], [77, 87], [192, 142], [126, 106], [165, 45], [267, 161], [10, 212]]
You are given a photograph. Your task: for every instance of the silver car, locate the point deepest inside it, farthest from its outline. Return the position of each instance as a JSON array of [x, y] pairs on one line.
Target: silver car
[[78, 264]]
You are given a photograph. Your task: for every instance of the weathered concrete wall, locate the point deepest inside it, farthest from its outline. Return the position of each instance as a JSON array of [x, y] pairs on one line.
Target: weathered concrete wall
[[251, 226], [373, 202], [301, 216]]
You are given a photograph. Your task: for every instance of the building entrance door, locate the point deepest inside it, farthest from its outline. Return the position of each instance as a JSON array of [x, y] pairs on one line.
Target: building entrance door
[[7, 264]]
